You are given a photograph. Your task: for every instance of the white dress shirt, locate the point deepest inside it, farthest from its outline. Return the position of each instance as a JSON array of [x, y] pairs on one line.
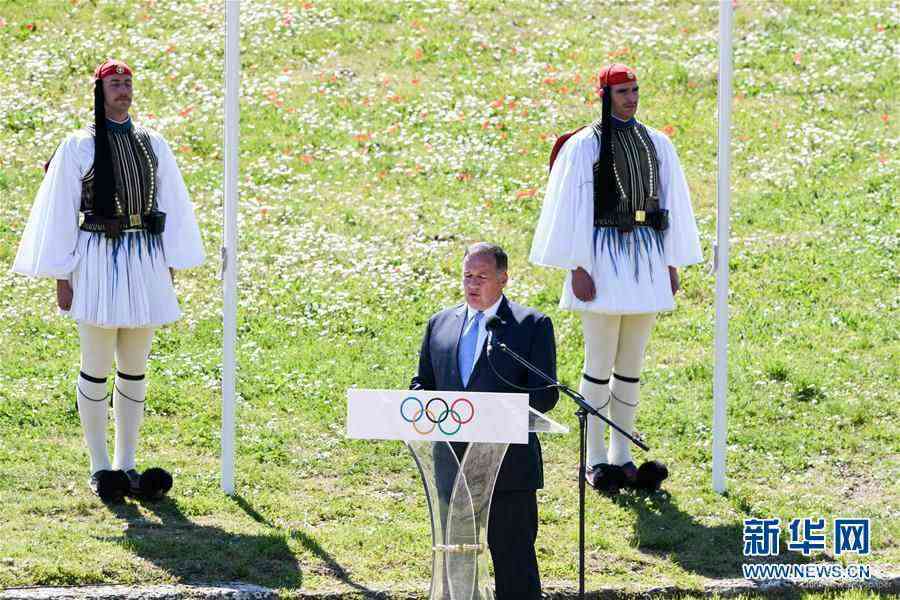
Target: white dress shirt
[[482, 326]]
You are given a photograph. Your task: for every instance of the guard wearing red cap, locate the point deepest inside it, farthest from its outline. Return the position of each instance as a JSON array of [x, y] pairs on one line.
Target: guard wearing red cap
[[111, 67], [111, 223], [617, 216]]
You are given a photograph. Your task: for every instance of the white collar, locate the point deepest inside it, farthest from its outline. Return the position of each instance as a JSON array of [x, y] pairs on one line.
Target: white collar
[[488, 312]]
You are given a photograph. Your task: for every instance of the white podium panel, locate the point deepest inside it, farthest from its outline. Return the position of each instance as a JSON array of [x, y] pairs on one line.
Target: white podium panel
[[415, 416]]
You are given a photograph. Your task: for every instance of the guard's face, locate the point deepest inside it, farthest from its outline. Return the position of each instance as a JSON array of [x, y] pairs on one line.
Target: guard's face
[[624, 97], [117, 92], [482, 283]]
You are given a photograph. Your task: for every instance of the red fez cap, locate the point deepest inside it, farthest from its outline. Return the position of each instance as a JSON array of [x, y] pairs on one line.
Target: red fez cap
[[111, 67], [615, 74]]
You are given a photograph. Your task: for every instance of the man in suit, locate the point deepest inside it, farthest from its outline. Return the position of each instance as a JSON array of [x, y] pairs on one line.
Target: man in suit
[[454, 358]]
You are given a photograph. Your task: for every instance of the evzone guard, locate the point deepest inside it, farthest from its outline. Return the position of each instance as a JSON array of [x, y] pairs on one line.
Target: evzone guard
[[111, 223], [617, 217]]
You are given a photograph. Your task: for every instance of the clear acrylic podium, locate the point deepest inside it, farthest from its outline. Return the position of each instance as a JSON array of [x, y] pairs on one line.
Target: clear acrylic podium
[[459, 493]]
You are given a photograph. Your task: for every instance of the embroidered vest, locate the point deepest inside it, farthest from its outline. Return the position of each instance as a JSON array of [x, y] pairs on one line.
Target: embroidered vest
[[134, 167], [636, 171]]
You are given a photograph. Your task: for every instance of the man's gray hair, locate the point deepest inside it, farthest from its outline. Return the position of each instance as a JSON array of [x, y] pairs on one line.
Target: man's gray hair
[[500, 258]]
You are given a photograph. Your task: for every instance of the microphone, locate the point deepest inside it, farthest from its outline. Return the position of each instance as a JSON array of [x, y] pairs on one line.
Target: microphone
[[491, 326]]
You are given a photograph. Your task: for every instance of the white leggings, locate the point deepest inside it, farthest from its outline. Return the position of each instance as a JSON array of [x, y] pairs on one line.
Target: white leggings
[[614, 348], [131, 348]]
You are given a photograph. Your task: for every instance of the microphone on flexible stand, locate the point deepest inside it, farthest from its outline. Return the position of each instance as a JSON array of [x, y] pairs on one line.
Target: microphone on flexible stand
[[491, 326]]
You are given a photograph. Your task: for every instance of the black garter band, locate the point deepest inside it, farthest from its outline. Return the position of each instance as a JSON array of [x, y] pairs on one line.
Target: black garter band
[[594, 379], [125, 376], [87, 377], [626, 379]]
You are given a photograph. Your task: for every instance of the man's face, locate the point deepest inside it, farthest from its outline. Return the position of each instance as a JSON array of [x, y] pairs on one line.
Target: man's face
[[482, 283], [624, 98], [117, 93]]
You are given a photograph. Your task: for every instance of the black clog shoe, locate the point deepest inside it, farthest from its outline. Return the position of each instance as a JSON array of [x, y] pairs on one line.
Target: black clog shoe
[[109, 486], [606, 479]]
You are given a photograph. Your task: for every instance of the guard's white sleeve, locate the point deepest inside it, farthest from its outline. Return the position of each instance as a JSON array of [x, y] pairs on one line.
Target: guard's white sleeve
[[681, 241], [181, 237], [564, 234], [49, 242]]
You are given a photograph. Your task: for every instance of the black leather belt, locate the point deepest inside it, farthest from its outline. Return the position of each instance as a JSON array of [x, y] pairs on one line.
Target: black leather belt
[[98, 223], [658, 220], [154, 222]]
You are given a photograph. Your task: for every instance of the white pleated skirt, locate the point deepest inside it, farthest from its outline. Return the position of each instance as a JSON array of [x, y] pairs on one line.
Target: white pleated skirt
[[630, 275], [123, 282]]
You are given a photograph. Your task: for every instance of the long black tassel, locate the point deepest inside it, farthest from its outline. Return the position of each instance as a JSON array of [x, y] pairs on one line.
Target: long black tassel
[[104, 179], [608, 184]]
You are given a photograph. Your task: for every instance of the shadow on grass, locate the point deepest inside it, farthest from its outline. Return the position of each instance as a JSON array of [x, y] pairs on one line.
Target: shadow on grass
[[714, 551], [201, 553], [332, 566]]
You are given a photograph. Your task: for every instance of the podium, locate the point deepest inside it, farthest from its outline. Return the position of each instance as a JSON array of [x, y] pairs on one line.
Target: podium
[[458, 477]]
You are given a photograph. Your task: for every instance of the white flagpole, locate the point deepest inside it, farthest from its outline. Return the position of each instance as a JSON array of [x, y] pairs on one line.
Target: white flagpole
[[229, 247], [723, 212]]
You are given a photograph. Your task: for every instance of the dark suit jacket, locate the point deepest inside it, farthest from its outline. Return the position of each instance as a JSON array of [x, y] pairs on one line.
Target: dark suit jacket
[[527, 332]]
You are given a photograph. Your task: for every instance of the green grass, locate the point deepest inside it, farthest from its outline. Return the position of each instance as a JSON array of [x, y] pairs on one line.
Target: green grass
[[377, 139]]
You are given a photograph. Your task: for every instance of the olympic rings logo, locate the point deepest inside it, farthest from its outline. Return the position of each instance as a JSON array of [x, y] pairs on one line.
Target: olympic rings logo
[[448, 420]]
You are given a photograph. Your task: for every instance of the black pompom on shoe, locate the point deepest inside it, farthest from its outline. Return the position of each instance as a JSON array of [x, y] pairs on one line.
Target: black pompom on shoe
[[650, 475], [606, 479], [109, 486], [155, 483]]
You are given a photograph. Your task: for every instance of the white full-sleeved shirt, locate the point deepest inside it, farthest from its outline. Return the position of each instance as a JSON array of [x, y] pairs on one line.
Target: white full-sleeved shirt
[[49, 246], [565, 236], [121, 283]]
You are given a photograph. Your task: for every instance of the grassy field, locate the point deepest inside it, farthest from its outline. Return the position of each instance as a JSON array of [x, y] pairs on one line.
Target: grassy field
[[377, 139]]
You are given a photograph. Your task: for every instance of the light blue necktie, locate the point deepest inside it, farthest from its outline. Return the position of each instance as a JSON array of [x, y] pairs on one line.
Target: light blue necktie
[[468, 344]]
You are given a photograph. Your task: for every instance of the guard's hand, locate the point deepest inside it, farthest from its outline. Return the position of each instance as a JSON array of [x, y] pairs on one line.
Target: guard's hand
[[674, 280], [64, 294], [583, 285]]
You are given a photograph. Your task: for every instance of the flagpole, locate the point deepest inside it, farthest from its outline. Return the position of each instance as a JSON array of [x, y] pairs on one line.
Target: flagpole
[[229, 247], [723, 211]]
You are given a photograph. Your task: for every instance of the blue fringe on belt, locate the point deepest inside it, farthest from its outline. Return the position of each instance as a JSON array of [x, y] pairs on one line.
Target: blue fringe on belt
[[639, 241]]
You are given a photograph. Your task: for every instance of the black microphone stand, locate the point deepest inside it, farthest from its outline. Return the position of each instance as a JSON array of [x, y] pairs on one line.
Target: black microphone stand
[[584, 409]]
